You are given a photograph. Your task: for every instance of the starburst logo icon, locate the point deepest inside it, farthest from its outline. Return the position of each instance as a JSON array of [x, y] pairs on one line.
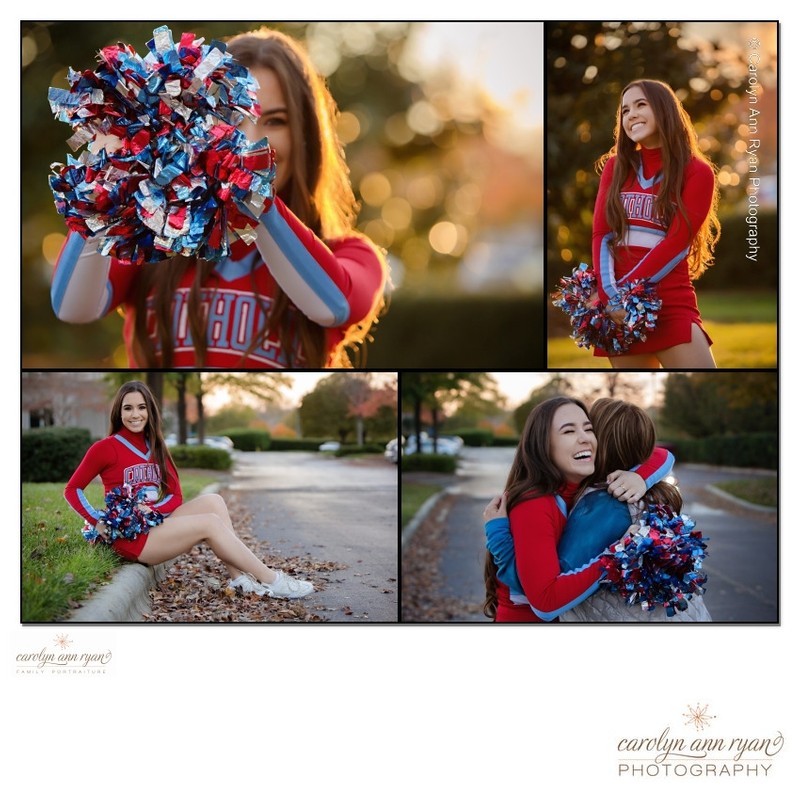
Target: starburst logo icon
[[754, 43], [63, 641], [698, 716]]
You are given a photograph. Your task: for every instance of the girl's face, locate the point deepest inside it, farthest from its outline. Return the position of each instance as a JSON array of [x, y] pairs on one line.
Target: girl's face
[[638, 119], [572, 443], [273, 123], [134, 411]]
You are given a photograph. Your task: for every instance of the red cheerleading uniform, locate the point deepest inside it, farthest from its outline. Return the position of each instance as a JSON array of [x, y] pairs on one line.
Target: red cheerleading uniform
[[536, 527], [652, 250], [123, 458], [335, 285]]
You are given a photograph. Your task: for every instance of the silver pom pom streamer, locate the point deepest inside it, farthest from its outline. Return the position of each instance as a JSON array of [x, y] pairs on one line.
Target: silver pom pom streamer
[[167, 171], [576, 296]]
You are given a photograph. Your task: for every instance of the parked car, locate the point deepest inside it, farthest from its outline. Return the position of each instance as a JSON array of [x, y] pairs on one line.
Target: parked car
[[212, 441], [449, 445], [331, 445], [392, 450]]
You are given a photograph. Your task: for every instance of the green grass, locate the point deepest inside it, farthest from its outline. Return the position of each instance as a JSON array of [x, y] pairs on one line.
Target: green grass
[[743, 326], [414, 496], [59, 569], [761, 491]]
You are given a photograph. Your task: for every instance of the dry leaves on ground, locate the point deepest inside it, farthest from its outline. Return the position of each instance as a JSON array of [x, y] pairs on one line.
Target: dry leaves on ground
[[422, 597], [195, 588]]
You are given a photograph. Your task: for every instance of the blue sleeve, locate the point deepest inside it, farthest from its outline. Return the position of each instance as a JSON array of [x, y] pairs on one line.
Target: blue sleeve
[[501, 546]]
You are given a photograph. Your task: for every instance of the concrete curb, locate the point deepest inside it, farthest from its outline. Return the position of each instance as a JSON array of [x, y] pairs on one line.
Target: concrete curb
[[739, 502], [126, 598], [421, 516]]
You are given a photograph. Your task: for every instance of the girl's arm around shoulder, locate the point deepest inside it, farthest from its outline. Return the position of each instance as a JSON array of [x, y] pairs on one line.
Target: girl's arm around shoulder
[[536, 527]]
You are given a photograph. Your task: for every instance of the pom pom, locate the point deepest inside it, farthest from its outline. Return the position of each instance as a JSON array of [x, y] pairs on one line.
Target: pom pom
[[122, 516], [167, 171], [576, 296], [660, 564]]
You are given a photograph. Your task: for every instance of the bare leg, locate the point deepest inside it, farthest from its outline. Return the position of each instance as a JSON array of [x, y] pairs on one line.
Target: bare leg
[[209, 504], [695, 354], [645, 361], [180, 532]]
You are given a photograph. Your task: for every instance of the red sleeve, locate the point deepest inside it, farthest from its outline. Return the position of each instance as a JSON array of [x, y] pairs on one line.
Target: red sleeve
[[536, 527], [697, 194], [656, 467], [602, 261], [98, 457]]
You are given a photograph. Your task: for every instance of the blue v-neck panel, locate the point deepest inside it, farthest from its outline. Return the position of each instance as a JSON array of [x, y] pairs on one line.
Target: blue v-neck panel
[[130, 446], [228, 270]]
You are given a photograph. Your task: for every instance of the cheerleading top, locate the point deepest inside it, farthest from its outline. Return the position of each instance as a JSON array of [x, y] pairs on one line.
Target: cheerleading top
[[531, 585], [123, 458], [652, 249], [334, 285]]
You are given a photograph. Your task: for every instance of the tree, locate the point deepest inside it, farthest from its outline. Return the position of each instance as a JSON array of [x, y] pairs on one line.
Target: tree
[[434, 389], [702, 404]]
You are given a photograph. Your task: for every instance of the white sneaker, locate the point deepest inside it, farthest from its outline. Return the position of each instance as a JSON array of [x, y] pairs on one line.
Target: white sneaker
[[287, 587], [247, 583]]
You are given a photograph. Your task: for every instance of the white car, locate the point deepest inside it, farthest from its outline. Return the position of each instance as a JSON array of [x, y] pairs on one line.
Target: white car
[[212, 441], [391, 451], [331, 445], [449, 446]]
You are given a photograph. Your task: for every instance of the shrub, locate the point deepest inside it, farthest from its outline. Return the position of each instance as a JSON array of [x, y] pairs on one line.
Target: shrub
[[367, 448], [201, 456], [746, 450], [295, 444], [250, 439], [476, 437], [52, 454], [429, 463]]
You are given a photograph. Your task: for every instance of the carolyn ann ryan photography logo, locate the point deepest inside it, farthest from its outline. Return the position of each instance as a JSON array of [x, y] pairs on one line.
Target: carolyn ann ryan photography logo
[[691, 749], [62, 656]]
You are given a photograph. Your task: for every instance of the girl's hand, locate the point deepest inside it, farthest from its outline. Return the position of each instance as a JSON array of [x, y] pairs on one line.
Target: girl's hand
[[496, 508], [617, 316], [145, 508], [102, 531], [627, 486]]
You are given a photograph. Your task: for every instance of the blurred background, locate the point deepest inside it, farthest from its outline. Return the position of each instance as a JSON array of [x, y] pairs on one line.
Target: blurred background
[[725, 74], [442, 124]]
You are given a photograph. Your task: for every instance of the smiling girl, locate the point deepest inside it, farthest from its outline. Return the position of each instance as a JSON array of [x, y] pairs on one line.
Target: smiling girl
[[135, 454], [304, 294], [655, 218], [554, 459]]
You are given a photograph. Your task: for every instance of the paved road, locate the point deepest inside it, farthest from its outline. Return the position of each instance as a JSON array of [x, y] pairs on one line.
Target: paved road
[[329, 508], [743, 543]]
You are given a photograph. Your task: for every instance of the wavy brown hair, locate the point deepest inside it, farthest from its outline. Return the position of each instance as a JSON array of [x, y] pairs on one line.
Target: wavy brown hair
[[319, 193], [678, 147], [153, 432], [626, 437], [533, 474]]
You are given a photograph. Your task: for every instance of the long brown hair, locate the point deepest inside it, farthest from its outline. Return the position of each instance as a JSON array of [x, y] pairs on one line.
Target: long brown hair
[[319, 193], [626, 437], [153, 432], [678, 147], [533, 474]]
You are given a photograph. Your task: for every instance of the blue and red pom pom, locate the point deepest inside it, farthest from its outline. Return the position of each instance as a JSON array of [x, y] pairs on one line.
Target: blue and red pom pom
[[576, 296], [660, 565], [167, 172], [122, 516]]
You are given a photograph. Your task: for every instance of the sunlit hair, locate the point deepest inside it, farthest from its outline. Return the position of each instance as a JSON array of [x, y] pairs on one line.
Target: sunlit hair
[[679, 146], [626, 437], [533, 474], [153, 433], [319, 193]]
